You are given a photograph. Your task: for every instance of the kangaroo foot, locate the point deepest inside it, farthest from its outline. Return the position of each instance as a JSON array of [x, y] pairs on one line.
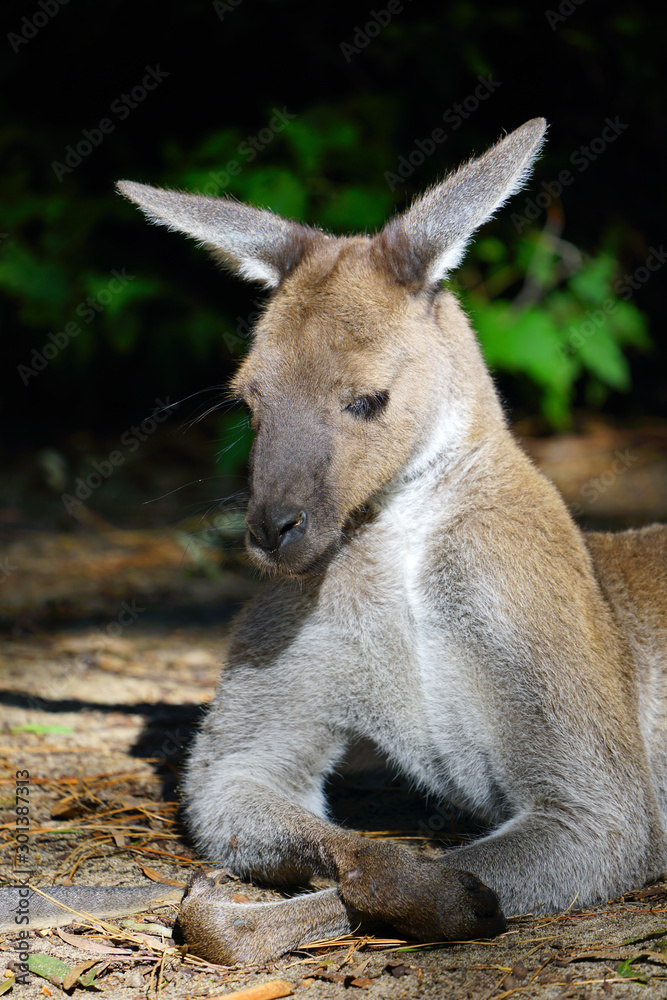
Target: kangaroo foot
[[221, 931], [421, 897]]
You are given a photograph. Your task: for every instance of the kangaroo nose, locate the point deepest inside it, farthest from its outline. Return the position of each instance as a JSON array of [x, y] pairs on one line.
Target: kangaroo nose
[[277, 526]]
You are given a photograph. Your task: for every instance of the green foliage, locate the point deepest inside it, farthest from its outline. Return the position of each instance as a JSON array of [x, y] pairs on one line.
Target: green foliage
[[565, 325]]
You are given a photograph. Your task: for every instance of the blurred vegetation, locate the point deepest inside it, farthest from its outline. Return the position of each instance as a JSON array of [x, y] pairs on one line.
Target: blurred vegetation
[[550, 319], [564, 327]]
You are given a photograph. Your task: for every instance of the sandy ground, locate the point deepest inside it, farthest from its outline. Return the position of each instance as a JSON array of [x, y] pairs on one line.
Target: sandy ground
[[101, 725]]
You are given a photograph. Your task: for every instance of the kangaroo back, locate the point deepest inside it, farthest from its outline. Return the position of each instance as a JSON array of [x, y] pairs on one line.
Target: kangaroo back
[[631, 567]]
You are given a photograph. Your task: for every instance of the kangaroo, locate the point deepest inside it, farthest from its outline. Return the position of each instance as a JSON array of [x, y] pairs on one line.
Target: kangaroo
[[429, 598]]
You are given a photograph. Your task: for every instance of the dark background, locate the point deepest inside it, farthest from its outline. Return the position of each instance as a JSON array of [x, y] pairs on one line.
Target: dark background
[[176, 328]]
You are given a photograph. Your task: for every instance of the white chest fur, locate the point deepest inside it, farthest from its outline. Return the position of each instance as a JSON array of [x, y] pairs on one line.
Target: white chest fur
[[412, 685]]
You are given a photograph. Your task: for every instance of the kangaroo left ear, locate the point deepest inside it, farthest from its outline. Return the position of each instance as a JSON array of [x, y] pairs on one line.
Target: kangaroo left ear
[[255, 244], [421, 246]]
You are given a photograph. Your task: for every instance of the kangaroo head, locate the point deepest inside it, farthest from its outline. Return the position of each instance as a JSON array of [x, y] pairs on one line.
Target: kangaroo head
[[361, 366]]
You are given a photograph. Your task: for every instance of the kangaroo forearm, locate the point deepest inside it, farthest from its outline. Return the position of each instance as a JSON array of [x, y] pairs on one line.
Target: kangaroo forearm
[[259, 833]]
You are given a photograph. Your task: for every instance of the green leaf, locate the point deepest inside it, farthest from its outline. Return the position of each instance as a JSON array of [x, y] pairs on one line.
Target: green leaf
[[529, 342], [526, 341], [630, 326], [602, 356], [625, 969], [593, 283], [88, 978], [556, 405], [46, 965]]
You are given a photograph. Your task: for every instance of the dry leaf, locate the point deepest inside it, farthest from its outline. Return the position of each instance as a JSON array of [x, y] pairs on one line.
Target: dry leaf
[[653, 892], [274, 990], [67, 808], [357, 972], [150, 941], [162, 879], [88, 944], [73, 975], [329, 977]]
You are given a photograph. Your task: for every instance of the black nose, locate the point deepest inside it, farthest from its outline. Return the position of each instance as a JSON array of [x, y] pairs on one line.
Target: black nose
[[276, 526]]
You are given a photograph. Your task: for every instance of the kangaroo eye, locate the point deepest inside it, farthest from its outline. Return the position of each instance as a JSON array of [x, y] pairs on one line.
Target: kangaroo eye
[[367, 407]]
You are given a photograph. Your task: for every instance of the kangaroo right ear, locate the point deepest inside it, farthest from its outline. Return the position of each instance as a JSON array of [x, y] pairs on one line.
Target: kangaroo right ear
[[421, 246], [255, 244]]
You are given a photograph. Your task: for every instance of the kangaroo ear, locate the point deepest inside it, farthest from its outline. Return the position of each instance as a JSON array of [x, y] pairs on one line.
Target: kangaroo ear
[[419, 247], [255, 244]]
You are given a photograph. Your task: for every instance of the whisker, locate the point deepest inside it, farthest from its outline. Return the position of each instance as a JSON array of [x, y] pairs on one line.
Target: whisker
[[206, 479], [232, 444], [226, 400], [211, 409]]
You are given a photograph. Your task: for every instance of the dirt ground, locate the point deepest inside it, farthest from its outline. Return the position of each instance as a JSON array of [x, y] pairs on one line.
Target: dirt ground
[[112, 637]]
